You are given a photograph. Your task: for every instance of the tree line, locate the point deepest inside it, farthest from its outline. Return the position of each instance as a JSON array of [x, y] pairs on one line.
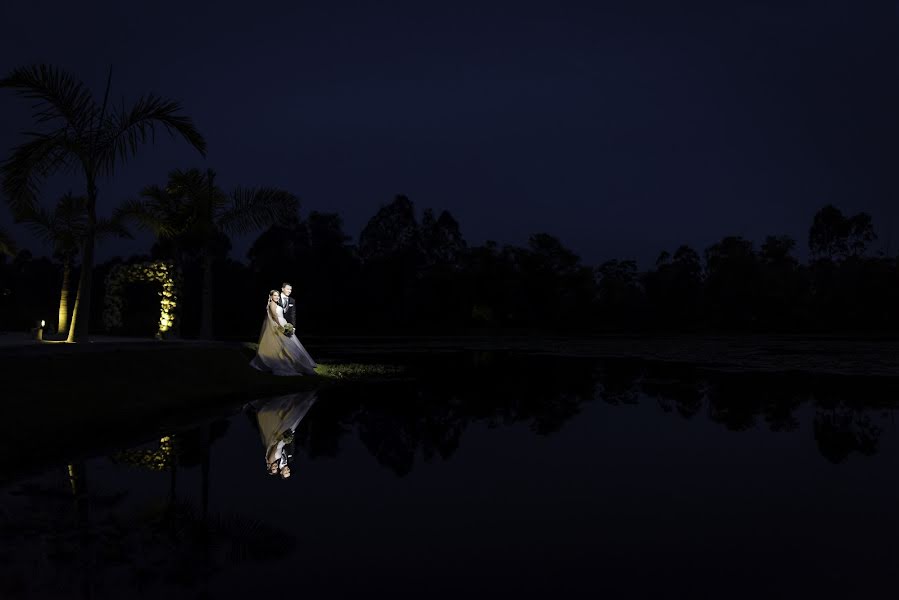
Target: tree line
[[403, 275], [408, 275]]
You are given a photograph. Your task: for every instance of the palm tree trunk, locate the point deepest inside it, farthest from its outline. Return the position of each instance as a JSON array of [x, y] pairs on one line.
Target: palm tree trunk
[[82, 311], [206, 316], [78, 481], [204, 491], [64, 295], [206, 309]]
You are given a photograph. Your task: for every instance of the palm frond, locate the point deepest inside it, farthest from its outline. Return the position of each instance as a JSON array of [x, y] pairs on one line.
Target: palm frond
[[64, 227], [70, 220], [71, 208], [113, 227], [155, 195], [146, 217], [172, 203], [33, 161], [124, 130], [191, 187], [254, 209], [24, 208], [58, 94], [201, 200], [39, 221], [70, 215], [7, 244], [181, 181]]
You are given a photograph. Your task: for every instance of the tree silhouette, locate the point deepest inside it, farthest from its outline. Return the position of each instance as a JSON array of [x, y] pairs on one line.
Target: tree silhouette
[[392, 232], [441, 239], [392, 262], [328, 274], [84, 136], [191, 204], [619, 291], [64, 229], [834, 236], [782, 295], [546, 285], [315, 256], [486, 277], [674, 289], [732, 282], [7, 244], [407, 276]]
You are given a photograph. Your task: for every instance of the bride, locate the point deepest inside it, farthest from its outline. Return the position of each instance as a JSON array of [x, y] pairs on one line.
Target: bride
[[279, 353]]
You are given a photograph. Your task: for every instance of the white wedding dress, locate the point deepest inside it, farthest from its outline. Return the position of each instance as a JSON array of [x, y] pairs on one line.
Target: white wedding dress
[[278, 353]]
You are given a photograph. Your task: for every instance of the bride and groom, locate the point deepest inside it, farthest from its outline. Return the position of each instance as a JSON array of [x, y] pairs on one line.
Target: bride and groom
[[280, 352]]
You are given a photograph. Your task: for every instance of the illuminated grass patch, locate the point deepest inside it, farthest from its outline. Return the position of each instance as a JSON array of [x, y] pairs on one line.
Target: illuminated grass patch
[[357, 370]]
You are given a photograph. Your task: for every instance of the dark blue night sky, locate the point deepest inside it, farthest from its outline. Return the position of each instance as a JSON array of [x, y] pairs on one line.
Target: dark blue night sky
[[624, 128]]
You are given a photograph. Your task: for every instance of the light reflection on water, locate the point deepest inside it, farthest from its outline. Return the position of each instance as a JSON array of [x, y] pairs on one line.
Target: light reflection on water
[[487, 475]]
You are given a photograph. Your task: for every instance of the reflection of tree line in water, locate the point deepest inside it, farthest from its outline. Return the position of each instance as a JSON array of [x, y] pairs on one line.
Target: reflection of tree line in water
[[427, 413], [399, 421], [406, 274], [174, 542]]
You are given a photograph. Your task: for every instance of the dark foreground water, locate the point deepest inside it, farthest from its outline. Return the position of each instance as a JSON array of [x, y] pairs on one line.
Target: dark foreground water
[[488, 476]]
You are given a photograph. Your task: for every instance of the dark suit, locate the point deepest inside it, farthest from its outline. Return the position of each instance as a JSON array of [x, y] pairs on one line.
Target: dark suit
[[290, 310]]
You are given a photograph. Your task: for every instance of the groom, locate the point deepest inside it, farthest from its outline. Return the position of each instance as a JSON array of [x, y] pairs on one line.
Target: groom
[[287, 303]]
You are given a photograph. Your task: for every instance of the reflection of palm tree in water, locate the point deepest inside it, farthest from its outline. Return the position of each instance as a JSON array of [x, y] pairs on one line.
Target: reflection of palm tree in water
[[78, 483], [170, 541], [187, 448]]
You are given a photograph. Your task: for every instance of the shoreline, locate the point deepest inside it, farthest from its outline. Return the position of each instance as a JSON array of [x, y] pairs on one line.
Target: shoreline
[[74, 400], [768, 354], [60, 398], [817, 355]]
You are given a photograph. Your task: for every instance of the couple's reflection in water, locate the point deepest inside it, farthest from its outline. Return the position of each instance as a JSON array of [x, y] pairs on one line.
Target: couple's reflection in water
[[147, 519], [277, 419]]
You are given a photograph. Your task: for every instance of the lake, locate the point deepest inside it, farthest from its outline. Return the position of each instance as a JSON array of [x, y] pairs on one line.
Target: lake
[[487, 474]]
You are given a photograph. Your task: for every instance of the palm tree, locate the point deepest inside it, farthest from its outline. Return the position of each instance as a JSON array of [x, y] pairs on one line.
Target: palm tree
[[7, 244], [191, 203], [64, 229], [84, 137]]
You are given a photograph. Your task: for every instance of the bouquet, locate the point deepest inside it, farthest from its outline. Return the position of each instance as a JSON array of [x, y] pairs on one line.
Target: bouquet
[[287, 330]]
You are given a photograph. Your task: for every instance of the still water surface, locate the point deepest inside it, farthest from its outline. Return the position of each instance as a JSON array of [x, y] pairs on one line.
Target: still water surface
[[486, 475]]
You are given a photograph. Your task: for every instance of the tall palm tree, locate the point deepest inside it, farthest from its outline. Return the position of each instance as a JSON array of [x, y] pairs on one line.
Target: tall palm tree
[[82, 136], [191, 203], [7, 244], [64, 229]]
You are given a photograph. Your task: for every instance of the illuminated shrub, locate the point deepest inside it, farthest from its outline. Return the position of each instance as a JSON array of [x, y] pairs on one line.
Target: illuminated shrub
[[163, 272]]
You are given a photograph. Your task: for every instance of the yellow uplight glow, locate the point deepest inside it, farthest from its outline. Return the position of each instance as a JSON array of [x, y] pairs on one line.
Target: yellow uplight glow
[[160, 271]]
